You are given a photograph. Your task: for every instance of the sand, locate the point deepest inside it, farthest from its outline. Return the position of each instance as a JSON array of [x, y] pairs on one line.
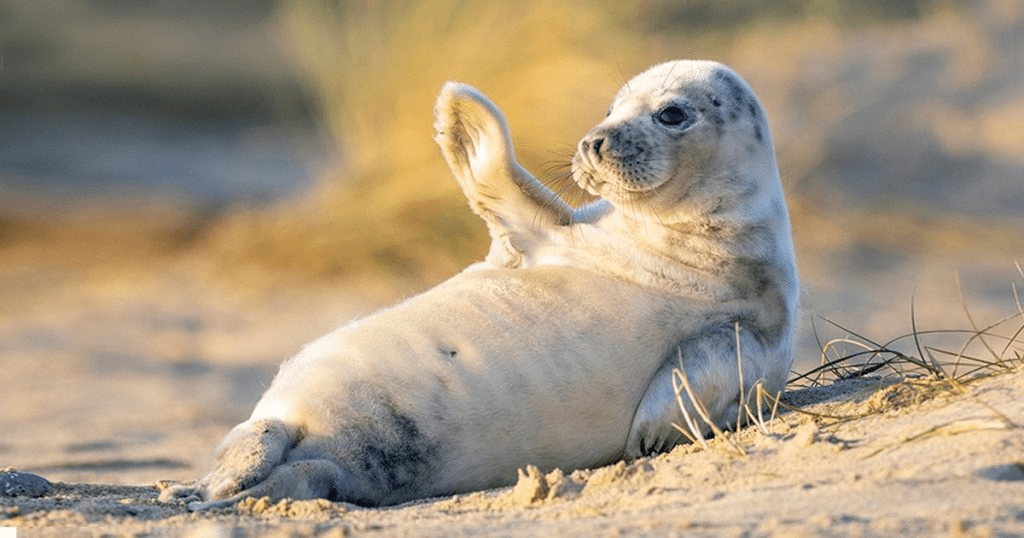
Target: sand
[[948, 465], [120, 375], [124, 360]]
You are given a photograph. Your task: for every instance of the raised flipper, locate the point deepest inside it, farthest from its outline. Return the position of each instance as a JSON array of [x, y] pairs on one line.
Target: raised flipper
[[710, 363], [475, 141]]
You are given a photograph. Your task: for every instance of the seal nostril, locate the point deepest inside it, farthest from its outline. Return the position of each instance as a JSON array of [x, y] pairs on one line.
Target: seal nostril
[[597, 143]]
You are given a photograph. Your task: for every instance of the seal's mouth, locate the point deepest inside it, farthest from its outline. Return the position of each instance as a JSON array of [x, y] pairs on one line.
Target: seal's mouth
[[586, 177], [606, 183]]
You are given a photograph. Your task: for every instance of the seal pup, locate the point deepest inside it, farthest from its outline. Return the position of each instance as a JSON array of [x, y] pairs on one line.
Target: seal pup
[[557, 360], [690, 204]]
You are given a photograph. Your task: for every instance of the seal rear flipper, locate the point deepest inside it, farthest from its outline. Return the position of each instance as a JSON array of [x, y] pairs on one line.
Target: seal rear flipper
[[303, 479], [247, 456]]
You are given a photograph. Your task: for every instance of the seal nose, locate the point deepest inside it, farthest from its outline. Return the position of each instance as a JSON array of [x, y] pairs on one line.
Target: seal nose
[[592, 146]]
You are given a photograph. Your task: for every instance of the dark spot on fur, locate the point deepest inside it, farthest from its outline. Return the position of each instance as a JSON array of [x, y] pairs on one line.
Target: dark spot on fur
[[734, 90], [732, 86], [756, 115], [394, 455], [716, 117], [752, 277], [763, 283], [615, 139], [300, 434]]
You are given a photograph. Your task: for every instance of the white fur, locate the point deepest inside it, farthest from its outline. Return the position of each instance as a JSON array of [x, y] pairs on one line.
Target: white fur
[[695, 212], [558, 350]]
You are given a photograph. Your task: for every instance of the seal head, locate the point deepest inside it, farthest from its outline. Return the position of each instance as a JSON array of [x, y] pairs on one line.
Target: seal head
[[681, 136]]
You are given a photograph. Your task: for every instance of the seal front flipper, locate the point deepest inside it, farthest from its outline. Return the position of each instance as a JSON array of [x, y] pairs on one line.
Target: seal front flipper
[[653, 429], [711, 365], [476, 142]]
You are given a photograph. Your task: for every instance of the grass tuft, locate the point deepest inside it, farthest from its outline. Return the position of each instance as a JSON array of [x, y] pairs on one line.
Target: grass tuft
[[904, 377]]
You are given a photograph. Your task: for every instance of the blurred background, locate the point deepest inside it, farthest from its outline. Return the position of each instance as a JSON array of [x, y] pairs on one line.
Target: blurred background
[[189, 190]]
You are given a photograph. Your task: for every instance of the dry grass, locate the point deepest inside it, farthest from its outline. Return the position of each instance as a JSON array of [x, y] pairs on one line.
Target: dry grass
[[906, 370], [373, 68], [962, 354]]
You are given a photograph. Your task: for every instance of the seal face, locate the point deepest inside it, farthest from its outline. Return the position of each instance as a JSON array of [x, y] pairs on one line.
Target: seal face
[[665, 130], [561, 349]]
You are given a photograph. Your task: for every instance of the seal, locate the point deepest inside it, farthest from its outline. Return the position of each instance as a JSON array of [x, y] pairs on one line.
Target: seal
[[690, 204], [558, 350]]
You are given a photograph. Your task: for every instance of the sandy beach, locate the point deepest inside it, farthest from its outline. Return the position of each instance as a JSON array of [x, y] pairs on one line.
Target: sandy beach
[[126, 373], [138, 325]]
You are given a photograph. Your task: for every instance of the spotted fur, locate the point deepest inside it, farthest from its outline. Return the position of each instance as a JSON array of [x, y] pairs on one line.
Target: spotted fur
[[558, 350], [691, 204]]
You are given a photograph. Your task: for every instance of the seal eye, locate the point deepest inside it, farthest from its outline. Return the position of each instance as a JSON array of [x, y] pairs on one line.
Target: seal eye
[[673, 116]]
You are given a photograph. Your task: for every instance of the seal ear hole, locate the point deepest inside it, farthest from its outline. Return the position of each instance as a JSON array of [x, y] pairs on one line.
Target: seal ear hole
[[716, 102]]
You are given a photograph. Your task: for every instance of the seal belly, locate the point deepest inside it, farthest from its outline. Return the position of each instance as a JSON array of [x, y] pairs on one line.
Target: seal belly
[[492, 368]]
